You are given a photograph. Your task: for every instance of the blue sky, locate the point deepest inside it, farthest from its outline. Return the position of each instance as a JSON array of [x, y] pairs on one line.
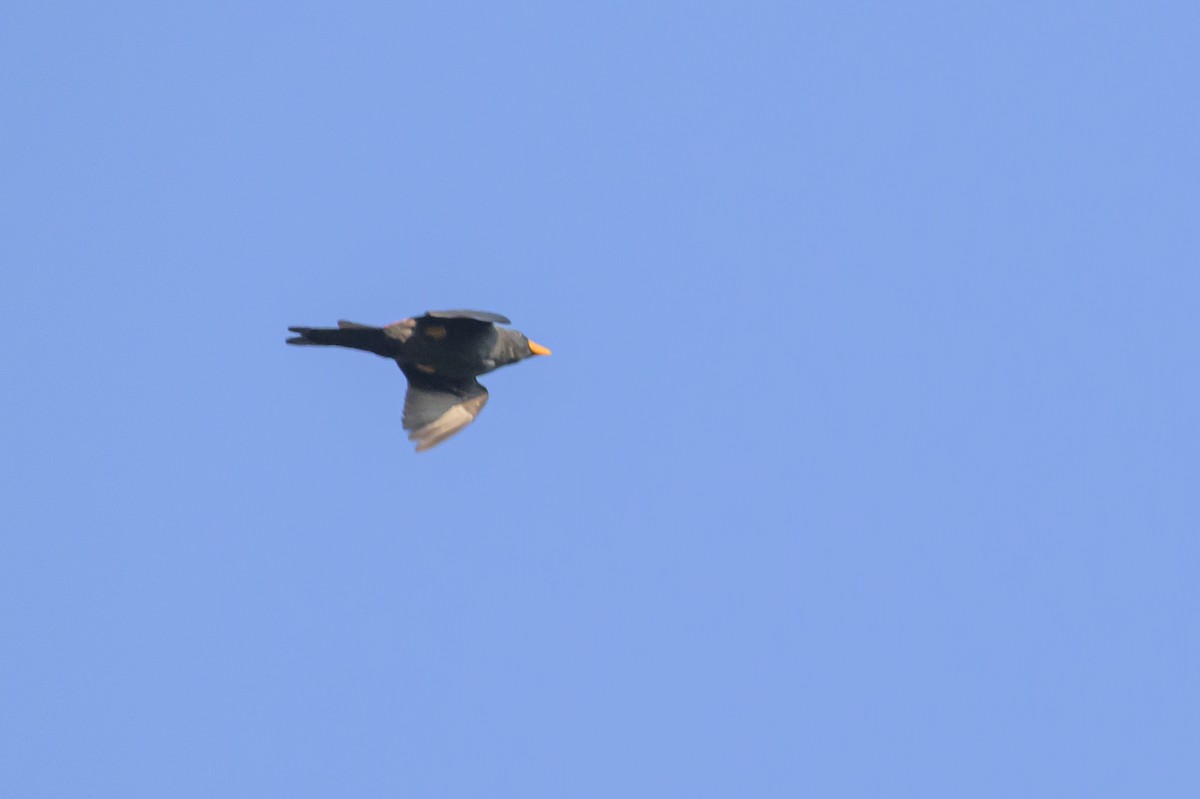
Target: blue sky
[[864, 466]]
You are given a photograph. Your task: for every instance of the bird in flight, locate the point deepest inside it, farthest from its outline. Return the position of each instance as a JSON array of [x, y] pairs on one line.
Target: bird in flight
[[441, 354]]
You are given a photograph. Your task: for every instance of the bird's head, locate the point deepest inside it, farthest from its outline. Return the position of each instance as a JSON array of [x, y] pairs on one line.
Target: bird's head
[[515, 346]]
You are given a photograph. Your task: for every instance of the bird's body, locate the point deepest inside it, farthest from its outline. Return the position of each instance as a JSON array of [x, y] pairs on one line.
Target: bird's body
[[441, 354]]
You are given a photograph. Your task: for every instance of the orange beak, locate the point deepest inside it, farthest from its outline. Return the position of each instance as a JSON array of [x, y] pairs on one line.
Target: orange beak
[[538, 349]]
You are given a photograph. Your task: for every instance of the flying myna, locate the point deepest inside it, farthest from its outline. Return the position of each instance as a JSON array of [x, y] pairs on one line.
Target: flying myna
[[441, 354]]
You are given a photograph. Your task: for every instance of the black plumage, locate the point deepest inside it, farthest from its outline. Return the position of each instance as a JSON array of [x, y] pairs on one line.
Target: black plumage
[[441, 354]]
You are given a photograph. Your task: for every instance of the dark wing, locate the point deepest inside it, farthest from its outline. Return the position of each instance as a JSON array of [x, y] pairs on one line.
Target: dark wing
[[478, 316], [436, 408], [459, 331]]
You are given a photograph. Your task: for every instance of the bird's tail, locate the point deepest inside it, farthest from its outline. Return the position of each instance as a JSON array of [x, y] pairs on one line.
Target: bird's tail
[[346, 334]]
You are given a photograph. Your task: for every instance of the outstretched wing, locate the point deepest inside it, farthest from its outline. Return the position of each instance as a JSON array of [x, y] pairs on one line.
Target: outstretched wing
[[436, 408], [478, 316], [466, 332]]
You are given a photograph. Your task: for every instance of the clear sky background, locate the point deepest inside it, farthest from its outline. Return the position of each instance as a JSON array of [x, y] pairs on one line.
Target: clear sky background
[[865, 464]]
